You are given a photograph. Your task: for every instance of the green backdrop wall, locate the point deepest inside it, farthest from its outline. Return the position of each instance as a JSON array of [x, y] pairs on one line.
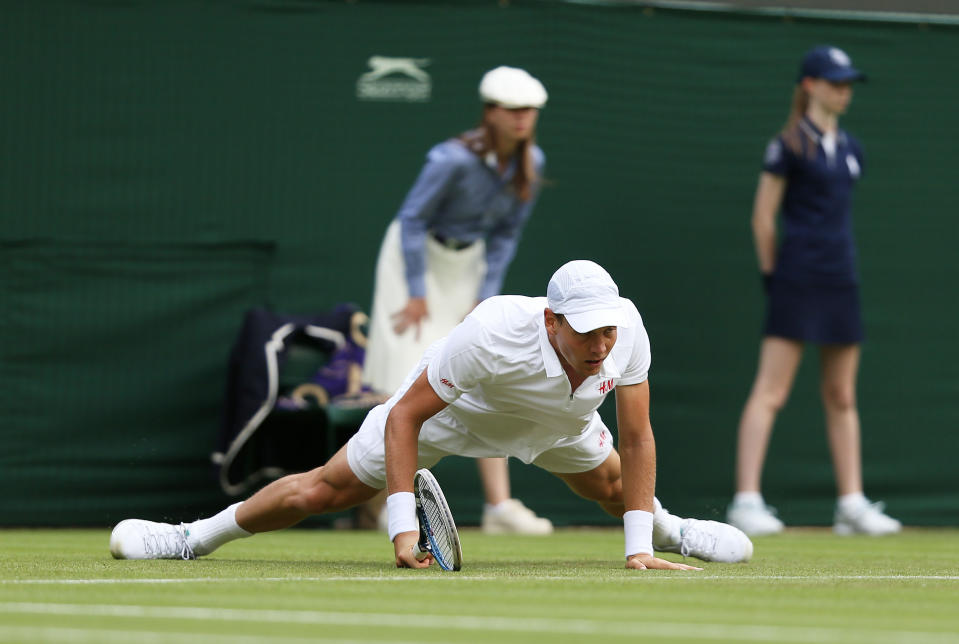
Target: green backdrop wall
[[165, 166]]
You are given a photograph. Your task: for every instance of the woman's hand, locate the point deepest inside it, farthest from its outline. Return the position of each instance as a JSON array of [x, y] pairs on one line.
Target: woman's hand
[[410, 315]]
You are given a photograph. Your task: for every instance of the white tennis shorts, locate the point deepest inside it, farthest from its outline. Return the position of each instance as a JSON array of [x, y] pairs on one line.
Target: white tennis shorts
[[366, 452]]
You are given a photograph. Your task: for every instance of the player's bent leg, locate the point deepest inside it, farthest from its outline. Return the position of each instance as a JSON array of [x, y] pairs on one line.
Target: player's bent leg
[[603, 484]]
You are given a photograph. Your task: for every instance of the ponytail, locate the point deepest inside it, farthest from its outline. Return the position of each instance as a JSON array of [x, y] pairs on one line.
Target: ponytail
[[795, 138]]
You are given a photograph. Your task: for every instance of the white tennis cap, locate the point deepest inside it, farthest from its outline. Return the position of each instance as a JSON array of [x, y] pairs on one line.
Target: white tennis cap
[[586, 295], [512, 88]]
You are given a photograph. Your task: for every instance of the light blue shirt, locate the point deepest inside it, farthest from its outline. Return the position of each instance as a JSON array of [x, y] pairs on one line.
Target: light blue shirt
[[458, 196]]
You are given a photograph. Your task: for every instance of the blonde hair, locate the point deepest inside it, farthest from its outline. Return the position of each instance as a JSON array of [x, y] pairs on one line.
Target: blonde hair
[[482, 140], [796, 138]]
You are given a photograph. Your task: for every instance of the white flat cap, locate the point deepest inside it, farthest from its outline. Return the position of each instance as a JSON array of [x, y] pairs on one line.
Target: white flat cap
[[512, 88]]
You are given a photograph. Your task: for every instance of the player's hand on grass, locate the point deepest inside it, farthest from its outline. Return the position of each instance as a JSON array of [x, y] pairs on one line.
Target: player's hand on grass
[[643, 562], [403, 547], [410, 315]]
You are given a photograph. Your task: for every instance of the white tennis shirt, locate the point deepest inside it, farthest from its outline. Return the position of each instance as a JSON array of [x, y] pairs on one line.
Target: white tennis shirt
[[506, 387]]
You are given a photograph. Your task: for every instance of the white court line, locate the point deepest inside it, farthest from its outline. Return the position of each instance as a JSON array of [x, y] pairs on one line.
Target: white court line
[[116, 636], [638, 577], [590, 628]]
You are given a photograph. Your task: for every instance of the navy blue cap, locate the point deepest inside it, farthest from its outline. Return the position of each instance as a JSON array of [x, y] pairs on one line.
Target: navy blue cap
[[829, 63]]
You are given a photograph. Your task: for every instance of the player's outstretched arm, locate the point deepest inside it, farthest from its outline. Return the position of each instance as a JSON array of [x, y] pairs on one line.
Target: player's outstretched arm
[[638, 453]]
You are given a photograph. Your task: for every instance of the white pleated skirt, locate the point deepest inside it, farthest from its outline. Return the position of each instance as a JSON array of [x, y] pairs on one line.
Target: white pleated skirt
[[453, 279]]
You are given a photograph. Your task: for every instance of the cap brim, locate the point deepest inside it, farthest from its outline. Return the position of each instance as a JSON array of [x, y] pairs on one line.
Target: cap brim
[[845, 75], [590, 320], [515, 105]]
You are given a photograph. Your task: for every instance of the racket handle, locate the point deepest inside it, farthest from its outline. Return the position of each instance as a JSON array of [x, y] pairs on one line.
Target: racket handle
[[419, 553]]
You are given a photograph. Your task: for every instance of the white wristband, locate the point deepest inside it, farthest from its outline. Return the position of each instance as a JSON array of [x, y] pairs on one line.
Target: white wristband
[[401, 509], [638, 527]]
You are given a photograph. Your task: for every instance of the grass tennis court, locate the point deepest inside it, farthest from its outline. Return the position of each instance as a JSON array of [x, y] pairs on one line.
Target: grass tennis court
[[331, 586]]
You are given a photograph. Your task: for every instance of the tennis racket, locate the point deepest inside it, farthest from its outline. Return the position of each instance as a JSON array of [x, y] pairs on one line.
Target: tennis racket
[[438, 535]]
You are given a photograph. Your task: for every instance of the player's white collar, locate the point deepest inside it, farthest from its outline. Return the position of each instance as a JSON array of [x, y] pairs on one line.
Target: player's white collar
[[550, 359], [609, 368]]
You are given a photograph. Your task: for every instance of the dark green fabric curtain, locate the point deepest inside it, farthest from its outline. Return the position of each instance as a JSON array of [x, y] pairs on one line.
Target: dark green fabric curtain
[[166, 166]]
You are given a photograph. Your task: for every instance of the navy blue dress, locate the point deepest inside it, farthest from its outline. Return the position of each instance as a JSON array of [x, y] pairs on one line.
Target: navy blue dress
[[813, 295]]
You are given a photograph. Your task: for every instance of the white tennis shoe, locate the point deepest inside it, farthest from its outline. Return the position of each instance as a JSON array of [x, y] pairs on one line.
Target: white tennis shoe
[[755, 519], [867, 518], [706, 540], [139, 539], [512, 517]]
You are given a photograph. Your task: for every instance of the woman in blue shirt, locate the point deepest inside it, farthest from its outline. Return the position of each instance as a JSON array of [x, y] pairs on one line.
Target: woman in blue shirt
[[812, 292], [449, 247]]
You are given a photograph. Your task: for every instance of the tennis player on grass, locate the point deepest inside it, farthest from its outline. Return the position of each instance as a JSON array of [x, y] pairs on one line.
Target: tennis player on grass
[[521, 377]]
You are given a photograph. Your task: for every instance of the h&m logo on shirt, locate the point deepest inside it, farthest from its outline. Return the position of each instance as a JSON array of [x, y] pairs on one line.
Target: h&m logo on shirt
[[446, 382], [606, 386], [603, 438]]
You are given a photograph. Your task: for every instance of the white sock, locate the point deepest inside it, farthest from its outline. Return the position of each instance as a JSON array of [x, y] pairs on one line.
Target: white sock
[[665, 526], [749, 498], [850, 502], [206, 535]]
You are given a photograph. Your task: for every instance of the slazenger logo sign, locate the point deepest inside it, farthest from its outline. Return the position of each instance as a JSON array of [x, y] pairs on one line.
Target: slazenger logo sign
[[395, 79]]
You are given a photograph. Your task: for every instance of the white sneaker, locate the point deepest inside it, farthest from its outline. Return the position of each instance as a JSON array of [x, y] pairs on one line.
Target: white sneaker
[[755, 519], [512, 517], [868, 518], [139, 539], [707, 540]]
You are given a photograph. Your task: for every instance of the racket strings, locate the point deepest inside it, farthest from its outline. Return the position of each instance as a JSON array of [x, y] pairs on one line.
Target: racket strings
[[437, 521], [436, 525]]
